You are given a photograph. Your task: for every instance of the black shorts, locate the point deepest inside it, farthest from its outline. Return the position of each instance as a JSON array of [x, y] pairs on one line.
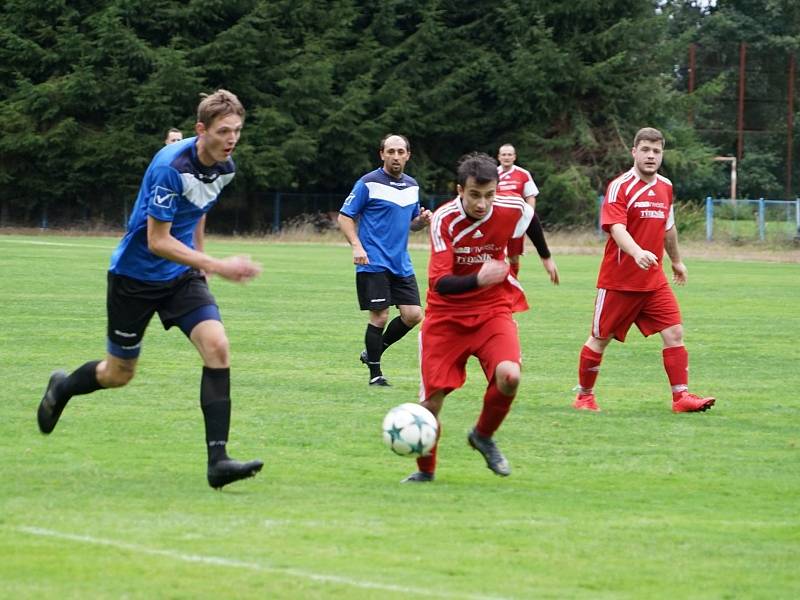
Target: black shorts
[[377, 291], [131, 303]]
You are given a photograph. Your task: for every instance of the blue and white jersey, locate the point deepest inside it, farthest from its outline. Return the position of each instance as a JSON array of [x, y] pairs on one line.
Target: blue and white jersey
[[384, 207], [178, 188]]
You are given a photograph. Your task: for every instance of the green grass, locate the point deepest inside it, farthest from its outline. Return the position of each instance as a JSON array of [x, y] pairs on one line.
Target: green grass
[[633, 502], [747, 230]]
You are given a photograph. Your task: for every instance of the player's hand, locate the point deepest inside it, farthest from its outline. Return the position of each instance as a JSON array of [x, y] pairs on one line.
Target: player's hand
[[493, 272], [237, 268], [424, 217], [552, 270], [645, 259], [679, 273], [360, 255]]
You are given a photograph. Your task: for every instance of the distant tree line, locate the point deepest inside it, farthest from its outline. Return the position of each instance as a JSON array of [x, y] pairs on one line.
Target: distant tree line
[[88, 89]]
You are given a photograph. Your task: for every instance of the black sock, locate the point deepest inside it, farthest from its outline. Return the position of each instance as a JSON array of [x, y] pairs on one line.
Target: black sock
[[373, 340], [215, 400], [82, 380], [395, 331]]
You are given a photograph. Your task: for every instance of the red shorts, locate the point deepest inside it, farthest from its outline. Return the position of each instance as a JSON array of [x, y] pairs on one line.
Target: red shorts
[[615, 311], [446, 342]]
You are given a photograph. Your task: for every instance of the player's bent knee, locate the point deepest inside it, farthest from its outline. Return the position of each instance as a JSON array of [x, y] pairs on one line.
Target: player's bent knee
[[212, 343], [507, 376], [412, 317], [673, 336], [116, 374]]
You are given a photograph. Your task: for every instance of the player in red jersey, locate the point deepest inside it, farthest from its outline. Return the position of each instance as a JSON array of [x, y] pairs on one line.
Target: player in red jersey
[[516, 181], [632, 288], [471, 297]]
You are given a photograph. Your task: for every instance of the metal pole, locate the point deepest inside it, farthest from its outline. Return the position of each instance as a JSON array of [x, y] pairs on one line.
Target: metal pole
[[797, 217], [740, 111], [709, 218], [276, 213], [600, 215], [691, 79], [789, 126], [732, 160], [761, 219]]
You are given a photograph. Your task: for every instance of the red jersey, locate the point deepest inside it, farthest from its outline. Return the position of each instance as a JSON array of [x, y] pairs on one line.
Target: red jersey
[[646, 211], [515, 182], [460, 245]]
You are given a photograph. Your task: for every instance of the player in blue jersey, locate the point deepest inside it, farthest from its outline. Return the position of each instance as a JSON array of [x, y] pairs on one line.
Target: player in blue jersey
[[159, 267], [385, 202]]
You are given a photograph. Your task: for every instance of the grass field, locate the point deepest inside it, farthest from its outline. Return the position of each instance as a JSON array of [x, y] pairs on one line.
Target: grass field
[[633, 502]]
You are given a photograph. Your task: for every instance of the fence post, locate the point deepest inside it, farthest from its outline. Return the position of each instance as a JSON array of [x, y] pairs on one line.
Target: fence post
[[600, 215], [709, 218], [797, 217], [43, 224], [276, 213], [761, 220]]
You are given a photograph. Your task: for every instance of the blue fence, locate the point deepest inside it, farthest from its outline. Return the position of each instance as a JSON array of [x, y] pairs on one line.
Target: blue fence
[[762, 219]]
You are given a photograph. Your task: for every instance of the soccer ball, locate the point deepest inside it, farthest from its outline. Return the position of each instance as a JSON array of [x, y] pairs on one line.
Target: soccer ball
[[410, 430]]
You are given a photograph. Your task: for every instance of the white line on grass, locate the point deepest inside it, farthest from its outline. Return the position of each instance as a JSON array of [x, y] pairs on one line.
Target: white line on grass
[[37, 243], [253, 566]]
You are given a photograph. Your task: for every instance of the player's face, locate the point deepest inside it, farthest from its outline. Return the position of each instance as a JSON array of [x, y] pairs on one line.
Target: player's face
[[647, 157], [506, 157], [217, 140], [395, 155], [173, 136], [477, 198]]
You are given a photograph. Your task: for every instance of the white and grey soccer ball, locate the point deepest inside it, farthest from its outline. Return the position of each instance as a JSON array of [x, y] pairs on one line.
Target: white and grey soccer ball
[[410, 430]]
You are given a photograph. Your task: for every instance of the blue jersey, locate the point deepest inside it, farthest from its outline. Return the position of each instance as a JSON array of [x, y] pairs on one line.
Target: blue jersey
[[384, 207], [178, 188]]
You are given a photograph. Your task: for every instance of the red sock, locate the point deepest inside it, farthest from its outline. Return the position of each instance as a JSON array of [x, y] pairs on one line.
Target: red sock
[[495, 408], [588, 369], [676, 364], [427, 464], [514, 269]]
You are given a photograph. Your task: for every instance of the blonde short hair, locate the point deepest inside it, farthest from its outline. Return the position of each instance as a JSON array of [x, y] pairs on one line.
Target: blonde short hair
[[218, 104]]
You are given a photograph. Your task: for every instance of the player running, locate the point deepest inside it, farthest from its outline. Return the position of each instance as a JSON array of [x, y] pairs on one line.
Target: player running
[[159, 266], [469, 306]]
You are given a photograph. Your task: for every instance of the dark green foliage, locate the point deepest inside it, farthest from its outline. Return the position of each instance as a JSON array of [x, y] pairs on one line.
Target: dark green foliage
[[88, 89]]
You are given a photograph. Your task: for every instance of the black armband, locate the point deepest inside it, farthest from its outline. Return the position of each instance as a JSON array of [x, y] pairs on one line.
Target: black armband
[[456, 284], [536, 234]]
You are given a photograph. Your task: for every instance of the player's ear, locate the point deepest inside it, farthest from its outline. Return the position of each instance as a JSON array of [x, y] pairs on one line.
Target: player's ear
[[200, 128], [459, 189]]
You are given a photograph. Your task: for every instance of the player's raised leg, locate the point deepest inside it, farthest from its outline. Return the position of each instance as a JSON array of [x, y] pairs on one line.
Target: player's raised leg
[[91, 376]]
